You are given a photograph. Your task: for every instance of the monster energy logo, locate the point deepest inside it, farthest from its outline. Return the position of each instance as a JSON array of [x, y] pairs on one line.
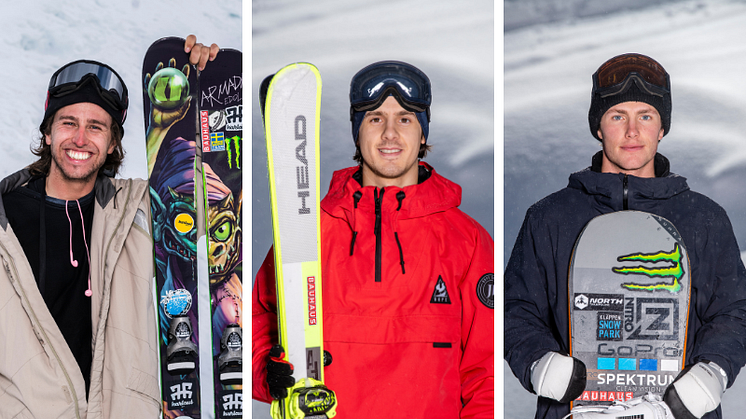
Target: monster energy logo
[[233, 151], [674, 269]]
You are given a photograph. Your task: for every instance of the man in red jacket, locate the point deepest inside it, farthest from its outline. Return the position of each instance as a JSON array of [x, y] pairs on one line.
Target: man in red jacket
[[408, 277]]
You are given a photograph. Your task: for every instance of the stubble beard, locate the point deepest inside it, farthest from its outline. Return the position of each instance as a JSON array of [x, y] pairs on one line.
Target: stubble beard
[[70, 178], [389, 172]]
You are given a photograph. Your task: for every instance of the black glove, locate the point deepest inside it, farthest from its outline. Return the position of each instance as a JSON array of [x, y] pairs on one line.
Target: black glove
[[279, 372]]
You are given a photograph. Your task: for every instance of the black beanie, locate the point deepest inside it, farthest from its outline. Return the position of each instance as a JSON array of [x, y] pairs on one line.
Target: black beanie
[[599, 106], [86, 92]]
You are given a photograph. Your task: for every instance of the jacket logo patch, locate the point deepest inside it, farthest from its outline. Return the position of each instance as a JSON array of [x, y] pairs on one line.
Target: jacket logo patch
[[486, 290], [440, 293]]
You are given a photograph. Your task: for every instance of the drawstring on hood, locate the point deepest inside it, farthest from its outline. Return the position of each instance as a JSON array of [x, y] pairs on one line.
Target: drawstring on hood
[[378, 199], [43, 241], [356, 198], [399, 197], [74, 262], [367, 207]]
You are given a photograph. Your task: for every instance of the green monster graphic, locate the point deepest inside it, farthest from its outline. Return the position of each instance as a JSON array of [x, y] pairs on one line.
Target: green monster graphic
[[673, 269], [231, 144]]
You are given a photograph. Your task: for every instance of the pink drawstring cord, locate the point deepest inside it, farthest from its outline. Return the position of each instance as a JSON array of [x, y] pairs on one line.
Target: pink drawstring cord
[[74, 262]]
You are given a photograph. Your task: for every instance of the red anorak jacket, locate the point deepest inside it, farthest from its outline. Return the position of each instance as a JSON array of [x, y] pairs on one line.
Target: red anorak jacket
[[408, 302]]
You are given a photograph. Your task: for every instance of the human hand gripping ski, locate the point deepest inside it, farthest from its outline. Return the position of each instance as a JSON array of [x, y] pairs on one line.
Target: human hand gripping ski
[[629, 301], [195, 190], [291, 106]]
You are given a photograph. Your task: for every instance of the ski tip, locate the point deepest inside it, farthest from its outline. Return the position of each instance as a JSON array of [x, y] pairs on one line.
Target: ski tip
[[263, 89]]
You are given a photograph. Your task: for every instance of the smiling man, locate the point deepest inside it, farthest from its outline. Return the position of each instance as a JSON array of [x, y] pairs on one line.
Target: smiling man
[[77, 322], [408, 277], [630, 113]]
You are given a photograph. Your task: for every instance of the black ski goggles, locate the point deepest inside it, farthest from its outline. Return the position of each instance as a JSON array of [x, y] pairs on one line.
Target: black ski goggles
[[73, 76], [617, 75], [373, 84]]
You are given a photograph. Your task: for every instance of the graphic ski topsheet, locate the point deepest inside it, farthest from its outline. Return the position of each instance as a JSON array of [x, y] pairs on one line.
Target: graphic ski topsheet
[[629, 292], [221, 132], [291, 112], [184, 194]]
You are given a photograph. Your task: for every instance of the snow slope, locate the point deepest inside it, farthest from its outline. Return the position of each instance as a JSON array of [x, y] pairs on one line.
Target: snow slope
[[550, 54]]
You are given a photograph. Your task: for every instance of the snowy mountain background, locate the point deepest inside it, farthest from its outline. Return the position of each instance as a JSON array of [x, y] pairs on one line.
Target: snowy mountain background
[[41, 36], [452, 42], [552, 47]]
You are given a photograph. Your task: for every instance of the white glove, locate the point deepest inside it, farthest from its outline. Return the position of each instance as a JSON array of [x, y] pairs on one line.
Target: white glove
[[558, 377], [649, 406], [696, 391]]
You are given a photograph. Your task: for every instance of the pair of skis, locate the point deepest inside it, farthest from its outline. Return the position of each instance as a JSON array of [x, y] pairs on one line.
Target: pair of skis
[[194, 134], [291, 111]]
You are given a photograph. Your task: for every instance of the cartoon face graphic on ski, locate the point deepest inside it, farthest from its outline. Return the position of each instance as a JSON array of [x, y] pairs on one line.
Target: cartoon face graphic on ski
[[171, 167]]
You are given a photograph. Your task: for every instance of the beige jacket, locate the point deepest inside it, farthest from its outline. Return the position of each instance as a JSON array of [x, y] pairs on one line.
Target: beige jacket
[[39, 377]]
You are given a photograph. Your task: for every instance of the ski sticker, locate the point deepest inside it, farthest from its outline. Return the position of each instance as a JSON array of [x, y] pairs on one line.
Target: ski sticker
[[672, 268]]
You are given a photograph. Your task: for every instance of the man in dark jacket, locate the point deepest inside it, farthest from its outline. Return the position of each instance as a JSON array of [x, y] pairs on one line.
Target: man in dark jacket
[[630, 113]]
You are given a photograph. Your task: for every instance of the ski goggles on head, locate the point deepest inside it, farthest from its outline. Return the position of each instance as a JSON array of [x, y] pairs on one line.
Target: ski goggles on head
[[617, 75], [374, 83], [73, 76]]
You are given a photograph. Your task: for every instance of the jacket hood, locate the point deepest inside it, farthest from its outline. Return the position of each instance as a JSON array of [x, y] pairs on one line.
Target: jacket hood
[[105, 190], [611, 190], [435, 194]]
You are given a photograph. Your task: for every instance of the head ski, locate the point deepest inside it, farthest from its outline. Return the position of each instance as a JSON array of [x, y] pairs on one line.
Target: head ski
[[291, 105]]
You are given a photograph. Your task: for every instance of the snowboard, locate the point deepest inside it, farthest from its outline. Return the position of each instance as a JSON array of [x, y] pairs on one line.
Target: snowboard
[[629, 288], [291, 109], [195, 209]]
